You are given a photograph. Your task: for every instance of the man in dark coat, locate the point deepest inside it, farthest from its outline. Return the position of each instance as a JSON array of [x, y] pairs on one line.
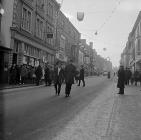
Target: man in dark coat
[[121, 80], [70, 71], [58, 77], [136, 77], [38, 74], [81, 76], [13, 74], [47, 75], [18, 68]]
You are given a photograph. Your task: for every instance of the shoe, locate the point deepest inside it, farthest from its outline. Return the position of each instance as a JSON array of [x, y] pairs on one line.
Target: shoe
[[66, 95]]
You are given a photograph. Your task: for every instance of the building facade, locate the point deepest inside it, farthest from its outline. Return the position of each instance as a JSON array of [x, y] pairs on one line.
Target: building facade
[[131, 56], [67, 40], [5, 37], [32, 21]]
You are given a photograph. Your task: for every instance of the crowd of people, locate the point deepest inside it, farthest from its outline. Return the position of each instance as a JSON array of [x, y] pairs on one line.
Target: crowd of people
[[21, 74], [56, 75], [127, 77]]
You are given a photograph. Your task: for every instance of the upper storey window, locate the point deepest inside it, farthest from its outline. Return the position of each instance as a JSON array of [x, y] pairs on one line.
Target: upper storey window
[[26, 19], [50, 10], [40, 4], [39, 27]]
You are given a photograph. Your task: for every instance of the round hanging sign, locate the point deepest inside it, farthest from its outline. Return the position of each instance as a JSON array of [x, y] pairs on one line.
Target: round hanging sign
[[80, 16]]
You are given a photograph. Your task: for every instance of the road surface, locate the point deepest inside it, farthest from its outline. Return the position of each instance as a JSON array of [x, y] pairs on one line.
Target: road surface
[[33, 111]]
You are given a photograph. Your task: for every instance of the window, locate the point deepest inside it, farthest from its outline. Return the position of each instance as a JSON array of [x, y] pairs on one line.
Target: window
[[49, 29], [50, 10], [139, 47], [40, 4], [26, 19], [39, 28], [140, 28]]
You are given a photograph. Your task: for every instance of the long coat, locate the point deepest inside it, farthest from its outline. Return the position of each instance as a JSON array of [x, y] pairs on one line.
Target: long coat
[[59, 77], [47, 73], [39, 72], [70, 71], [121, 78], [81, 77]]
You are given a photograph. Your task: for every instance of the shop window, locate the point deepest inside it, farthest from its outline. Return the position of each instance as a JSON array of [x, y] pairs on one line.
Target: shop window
[[139, 47], [31, 61], [25, 60], [14, 61]]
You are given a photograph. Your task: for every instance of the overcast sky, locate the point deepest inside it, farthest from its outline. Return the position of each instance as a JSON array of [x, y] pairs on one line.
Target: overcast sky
[[112, 19]]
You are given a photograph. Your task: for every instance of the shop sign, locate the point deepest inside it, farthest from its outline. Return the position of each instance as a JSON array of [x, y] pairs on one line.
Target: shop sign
[[61, 57], [36, 63], [31, 61], [25, 60]]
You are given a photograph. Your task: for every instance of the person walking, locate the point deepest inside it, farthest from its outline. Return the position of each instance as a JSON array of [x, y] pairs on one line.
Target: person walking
[[136, 77], [39, 74], [129, 74], [69, 77], [81, 76], [23, 74], [121, 80], [58, 77], [18, 75], [77, 76], [13, 74], [47, 75]]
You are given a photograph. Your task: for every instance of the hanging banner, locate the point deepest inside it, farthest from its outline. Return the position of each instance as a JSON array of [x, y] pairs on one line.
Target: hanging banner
[[80, 16], [49, 35]]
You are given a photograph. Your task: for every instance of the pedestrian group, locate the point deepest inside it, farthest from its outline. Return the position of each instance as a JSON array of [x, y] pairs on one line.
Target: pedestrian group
[[57, 76], [127, 77]]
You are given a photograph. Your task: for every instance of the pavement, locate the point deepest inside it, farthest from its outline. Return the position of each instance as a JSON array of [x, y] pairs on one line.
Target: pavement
[[125, 123], [6, 88], [110, 117], [22, 86]]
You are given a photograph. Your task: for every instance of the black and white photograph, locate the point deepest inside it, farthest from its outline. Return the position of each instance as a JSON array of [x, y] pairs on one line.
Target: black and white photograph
[[70, 69]]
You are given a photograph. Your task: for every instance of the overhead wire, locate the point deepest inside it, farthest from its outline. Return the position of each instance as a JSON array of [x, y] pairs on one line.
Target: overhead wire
[[110, 16], [61, 3]]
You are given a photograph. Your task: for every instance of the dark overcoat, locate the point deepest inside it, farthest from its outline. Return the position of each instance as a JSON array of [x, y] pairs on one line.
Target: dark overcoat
[[81, 77], [70, 71], [59, 77], [121, 78], [47, 73], [39, 72]]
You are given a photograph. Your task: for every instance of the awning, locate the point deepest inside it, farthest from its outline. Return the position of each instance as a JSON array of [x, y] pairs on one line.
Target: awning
[[4, 49]]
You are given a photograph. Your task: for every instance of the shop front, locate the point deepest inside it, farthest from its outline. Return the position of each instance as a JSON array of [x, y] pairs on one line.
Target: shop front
[[27, 54], [4, 61]]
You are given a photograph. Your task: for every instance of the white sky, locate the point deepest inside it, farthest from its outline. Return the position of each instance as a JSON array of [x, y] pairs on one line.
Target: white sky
[[112, 19]]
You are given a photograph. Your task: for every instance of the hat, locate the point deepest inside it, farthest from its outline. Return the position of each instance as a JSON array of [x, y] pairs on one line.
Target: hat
[[71, 60]]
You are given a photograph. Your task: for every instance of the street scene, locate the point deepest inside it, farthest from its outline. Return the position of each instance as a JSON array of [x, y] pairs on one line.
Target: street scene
[[70, 70]]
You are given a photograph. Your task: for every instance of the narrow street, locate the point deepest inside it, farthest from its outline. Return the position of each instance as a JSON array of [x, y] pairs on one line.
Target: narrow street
[[30, 113]]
